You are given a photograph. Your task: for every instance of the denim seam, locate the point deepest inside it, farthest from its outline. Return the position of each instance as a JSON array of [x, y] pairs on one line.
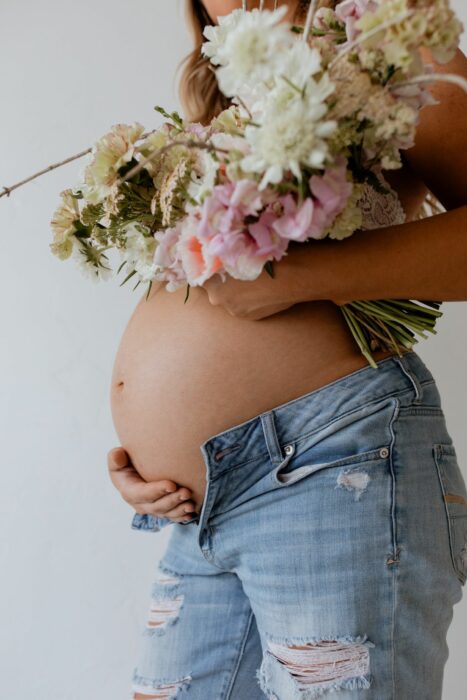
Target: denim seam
[[421, 411], [394, 569], [439, 452], [412, 376], [239, 657]]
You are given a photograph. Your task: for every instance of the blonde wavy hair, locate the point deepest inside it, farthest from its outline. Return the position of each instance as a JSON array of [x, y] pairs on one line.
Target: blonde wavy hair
[[199, 93]]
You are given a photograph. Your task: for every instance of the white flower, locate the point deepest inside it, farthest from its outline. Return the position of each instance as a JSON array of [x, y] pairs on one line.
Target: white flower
[[203, 177], [145, 271], [299, 63], [216, 35], [252, 51], [91, 264], [292, 133], [139, 249]]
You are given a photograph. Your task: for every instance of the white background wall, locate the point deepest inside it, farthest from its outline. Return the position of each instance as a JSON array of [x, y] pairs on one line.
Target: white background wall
[[75, 579]]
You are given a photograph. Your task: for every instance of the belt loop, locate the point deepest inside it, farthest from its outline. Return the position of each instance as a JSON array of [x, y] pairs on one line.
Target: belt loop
[[270, 435], [405, 367]]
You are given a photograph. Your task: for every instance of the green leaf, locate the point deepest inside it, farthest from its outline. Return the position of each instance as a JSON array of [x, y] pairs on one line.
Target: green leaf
[[149, 289], [128, 277], [81, 229], [91, 214], [124, 169], [269, 268], [174, 116], [391, 69], [374, 181]]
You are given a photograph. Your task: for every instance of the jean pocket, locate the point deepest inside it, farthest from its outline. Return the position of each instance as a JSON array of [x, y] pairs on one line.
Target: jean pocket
[[454, 492], [283, 476], [361, 436]]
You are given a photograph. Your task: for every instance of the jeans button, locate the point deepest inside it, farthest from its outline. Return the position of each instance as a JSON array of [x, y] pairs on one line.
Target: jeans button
[[288, 449], [384, 452]]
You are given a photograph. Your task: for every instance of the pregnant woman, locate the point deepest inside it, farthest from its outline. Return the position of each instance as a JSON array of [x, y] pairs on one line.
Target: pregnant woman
[[318, 513]]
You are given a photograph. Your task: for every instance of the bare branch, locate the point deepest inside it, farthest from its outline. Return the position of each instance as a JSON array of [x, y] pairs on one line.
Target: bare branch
[[8, 190], [309, 19]]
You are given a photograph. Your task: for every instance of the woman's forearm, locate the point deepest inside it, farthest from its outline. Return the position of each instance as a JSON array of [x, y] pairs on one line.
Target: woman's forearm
[[425, 260]]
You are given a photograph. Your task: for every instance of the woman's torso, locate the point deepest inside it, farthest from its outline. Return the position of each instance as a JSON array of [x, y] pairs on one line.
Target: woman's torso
[[185, 372]]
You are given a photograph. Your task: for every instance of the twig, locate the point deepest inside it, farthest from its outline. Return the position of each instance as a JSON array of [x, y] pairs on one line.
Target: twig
[[309, 19], [7, 190], [242, 104], [428, 78]]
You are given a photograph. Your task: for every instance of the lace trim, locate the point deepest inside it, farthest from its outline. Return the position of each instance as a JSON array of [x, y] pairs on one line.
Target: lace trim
[[379, 209]]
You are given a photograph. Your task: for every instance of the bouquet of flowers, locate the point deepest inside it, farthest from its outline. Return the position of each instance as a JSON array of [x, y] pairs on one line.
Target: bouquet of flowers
[[317, 113]]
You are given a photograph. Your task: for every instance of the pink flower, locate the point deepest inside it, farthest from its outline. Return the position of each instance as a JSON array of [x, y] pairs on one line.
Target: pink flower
[[239, 255], [270, 243], [199, 264], [197, 129], [227, 241], [350, 11], [331, 192], [242, 196], [167, 257], [225, 210], [295, 222]]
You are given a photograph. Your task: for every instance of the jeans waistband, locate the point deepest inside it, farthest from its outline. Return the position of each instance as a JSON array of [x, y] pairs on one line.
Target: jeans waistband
[[271, 431]]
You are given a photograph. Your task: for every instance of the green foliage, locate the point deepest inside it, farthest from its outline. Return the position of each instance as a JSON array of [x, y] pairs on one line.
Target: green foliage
[[174, 116], [91, 214]]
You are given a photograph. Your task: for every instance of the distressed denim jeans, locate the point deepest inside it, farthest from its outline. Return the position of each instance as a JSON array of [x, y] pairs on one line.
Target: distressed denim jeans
[[328, 554]]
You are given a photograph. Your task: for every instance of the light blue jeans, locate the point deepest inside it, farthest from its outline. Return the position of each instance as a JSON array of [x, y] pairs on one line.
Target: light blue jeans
[[328, 554]]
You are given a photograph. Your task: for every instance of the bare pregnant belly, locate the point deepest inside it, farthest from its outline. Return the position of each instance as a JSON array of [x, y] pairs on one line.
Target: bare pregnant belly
[[184, 372]]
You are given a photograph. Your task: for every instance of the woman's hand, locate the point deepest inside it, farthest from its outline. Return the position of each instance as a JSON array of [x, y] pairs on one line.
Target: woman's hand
[[159, 498], [251, 299]]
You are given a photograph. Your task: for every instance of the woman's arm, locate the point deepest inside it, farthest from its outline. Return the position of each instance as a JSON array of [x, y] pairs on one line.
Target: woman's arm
[[424, 259]]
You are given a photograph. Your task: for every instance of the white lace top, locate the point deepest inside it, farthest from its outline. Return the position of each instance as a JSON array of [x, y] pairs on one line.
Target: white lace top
[[379, 209]]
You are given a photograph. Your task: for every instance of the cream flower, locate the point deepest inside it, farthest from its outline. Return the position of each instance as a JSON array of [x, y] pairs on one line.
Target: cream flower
[[443, 31], [228, 121], [350, 219], [111, 152], [63, 225], [203, 177]]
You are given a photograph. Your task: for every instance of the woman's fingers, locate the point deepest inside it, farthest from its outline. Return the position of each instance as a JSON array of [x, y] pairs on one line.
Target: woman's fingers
[[160, 498], [183, 512], [129, 483]]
